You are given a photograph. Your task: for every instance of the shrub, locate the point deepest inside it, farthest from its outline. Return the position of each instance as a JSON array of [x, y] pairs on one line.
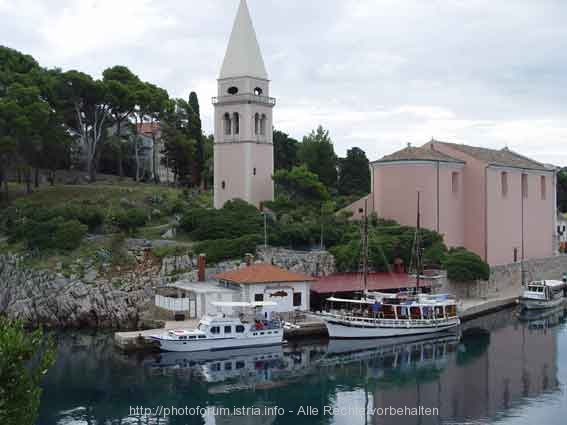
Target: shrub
[[465, 266], [52, 234], [237, 218], [92, 217], [226, 249], [171, 250], [130, 219]]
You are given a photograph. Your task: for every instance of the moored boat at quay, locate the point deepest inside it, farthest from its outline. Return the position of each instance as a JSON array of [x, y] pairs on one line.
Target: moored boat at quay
[[219, 332], [543, 294], [389, 316]]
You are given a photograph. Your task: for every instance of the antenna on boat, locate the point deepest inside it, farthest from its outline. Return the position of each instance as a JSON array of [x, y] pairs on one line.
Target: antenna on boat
[[418, 259], [365, 248]]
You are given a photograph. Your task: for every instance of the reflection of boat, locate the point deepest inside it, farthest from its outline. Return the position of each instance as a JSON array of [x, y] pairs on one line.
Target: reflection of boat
[[220, 332], [543, 294], [543, 319]]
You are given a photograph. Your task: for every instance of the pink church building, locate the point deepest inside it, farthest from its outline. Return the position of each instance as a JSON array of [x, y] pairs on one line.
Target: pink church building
[[496, 203]]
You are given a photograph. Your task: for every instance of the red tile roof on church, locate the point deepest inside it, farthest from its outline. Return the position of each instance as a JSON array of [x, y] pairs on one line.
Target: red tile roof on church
[[352, 282], [414, 153], [262, 273]]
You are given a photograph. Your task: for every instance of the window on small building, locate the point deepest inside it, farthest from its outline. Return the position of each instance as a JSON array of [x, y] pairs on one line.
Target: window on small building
[[455, 182], [258, 298], [504, 183], [297, 299], [543, 185], [525, 185]]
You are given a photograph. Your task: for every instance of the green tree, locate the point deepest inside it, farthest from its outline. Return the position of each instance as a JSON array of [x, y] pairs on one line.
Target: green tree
[[285, 151], [87, 107], [196, 133], [354, 173], [300, 184], [317, 153], [25, 357], [179, 147], [465, 266], [208, 162], [122, 85]]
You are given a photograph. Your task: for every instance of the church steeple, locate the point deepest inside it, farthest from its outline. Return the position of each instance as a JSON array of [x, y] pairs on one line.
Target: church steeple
[[243, 57]]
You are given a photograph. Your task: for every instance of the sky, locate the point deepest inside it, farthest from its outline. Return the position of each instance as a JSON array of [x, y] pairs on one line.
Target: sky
[[378, 74]]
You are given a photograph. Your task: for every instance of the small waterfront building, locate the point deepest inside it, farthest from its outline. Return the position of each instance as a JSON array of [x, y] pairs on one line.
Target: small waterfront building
[[266, 282], [496, 203]]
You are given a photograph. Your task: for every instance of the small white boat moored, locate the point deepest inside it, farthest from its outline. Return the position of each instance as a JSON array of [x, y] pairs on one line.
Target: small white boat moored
[[543, 294], [219, 332]]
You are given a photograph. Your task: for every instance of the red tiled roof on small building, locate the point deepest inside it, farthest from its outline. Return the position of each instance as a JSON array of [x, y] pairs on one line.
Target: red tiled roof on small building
[[262, 273], [352, 282], [148, 127]]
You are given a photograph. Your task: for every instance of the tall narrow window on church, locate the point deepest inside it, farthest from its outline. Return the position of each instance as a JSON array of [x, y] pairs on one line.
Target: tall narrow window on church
[[236, 123], [504, 183], [227, 129], [254, 171], [543, 185], [223, 184], [455, 182], [256, 123], [525, 185], [263, 124]]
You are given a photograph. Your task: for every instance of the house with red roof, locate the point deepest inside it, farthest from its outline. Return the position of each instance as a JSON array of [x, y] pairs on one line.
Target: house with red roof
[[266, 282]]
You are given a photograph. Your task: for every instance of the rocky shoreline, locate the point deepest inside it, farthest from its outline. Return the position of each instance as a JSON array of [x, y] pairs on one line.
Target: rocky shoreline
[[40, 297]]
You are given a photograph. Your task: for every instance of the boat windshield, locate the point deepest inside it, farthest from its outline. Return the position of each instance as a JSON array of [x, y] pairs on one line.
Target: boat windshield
[[535, 288]]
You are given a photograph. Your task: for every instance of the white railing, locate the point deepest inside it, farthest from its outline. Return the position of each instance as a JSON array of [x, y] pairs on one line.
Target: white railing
[[172, 304], [392, 323], [244, 97]]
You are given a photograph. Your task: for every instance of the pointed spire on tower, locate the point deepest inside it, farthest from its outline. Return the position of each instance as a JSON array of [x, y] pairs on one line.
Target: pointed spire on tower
[[243, 56]]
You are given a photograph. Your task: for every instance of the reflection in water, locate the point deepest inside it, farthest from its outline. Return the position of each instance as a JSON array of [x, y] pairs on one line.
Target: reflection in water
[[499, 363]]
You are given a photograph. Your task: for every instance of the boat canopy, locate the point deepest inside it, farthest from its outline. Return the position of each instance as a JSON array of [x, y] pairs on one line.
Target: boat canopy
[[244, 304], [346, 300], [549, 283]]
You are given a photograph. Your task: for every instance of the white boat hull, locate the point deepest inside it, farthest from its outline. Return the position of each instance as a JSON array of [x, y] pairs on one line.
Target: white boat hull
[[340, 330], [219, 343], [535, 304]]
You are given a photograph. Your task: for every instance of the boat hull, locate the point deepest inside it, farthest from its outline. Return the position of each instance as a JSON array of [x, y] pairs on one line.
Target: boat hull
[[209, 344], [341, 330], [535, 304]]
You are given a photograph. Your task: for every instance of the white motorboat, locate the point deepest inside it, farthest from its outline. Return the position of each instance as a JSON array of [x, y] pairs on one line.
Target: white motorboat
[[219, 332], [543, 294]]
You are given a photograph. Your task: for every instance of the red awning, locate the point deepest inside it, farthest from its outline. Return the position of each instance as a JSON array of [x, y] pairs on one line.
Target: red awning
[[352, 282]]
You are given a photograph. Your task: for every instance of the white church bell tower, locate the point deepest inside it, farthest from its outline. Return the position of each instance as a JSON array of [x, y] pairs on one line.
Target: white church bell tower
[[243, 149]]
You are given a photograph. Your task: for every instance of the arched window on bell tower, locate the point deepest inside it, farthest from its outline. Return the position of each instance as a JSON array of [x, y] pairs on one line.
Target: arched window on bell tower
[[256, 123], [263, 124], [236, 123], [226, 120]]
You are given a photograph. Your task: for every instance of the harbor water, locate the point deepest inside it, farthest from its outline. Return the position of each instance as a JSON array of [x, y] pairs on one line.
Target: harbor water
[[499, 369]]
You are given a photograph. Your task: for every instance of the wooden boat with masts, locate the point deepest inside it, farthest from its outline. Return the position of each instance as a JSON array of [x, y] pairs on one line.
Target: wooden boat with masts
[[381, 315]]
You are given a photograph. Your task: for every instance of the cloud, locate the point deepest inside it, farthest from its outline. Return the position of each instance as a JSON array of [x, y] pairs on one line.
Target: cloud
[[377, 74]]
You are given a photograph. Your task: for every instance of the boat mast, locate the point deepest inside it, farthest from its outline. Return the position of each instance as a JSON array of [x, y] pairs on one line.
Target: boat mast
[[365, 248], [418, 262]]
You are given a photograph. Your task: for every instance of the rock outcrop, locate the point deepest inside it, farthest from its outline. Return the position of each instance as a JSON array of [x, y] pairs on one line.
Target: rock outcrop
[[51, 299]]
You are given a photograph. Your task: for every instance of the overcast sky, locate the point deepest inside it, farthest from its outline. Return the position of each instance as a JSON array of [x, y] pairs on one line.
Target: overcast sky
[[377, 73]]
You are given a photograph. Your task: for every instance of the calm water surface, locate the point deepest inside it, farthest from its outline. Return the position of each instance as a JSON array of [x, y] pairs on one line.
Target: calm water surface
[[499, 371]]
